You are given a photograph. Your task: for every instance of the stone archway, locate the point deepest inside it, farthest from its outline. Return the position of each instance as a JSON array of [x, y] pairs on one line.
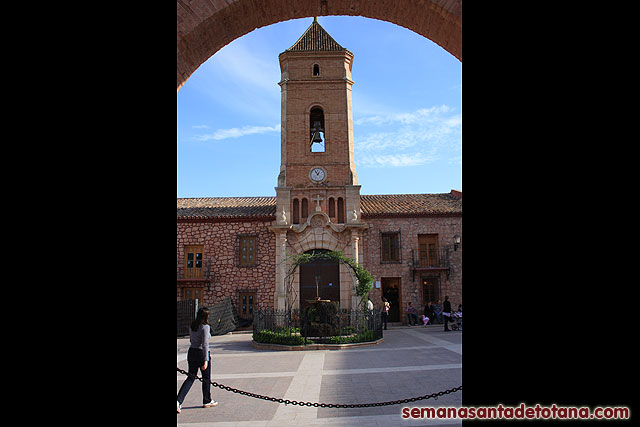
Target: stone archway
[[205, 26]]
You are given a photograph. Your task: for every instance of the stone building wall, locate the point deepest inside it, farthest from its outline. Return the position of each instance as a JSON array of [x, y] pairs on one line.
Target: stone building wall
[[412, 290], [221, 241]]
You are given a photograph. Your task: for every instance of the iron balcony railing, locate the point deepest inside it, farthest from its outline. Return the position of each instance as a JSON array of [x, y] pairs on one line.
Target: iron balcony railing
[[435, 259], [438, 260], [195, 273]]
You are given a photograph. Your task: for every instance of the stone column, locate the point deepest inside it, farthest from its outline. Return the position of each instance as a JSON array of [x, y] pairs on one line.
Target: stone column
[[354, 246], [281, 270]]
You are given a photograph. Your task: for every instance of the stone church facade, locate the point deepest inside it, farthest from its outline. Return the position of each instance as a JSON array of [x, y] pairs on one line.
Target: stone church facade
[[237, 246]]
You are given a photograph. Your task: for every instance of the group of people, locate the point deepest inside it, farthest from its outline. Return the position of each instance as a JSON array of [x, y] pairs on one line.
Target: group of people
[[431, 313]]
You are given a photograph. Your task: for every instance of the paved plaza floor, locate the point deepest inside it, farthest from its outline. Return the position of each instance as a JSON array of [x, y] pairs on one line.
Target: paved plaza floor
[[412, 361]]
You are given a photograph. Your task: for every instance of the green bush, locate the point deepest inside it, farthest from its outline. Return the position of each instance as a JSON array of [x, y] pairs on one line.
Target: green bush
[[363, 336], [321, 319], [269, 337], [285, 330]]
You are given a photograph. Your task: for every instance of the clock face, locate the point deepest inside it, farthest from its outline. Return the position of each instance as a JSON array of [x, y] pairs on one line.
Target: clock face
[[317, 174]]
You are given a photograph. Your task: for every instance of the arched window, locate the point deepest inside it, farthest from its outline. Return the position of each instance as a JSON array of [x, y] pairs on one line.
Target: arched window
[[296, 211], [316, 70], [340, 210], [305, 208], [316, 129], [332, 207]]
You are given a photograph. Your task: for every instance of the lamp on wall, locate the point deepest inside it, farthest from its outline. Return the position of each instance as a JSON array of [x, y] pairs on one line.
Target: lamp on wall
[[456, 242]]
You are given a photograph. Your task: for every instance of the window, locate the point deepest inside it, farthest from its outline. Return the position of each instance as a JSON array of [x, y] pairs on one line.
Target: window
[[248, 250], [305, 208], [193, 261], [247, 304], [193, 293], [340, 210], [390, 247], [316, 70], [316, 129], [332, 207], [428, 250], [296, 211]]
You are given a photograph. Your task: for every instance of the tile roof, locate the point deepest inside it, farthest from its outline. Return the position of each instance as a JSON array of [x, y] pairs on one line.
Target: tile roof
[[410, 204], [226, 207], [315, 39], [370, 205]]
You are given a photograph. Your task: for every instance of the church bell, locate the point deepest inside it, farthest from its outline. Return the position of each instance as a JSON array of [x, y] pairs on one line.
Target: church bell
[[316, 132], [316, 137]]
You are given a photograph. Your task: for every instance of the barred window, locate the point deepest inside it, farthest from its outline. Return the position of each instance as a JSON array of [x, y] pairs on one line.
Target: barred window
[[390, 247], [248, 250]]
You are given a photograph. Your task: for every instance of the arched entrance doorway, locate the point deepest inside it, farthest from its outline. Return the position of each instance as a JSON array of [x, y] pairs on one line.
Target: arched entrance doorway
[[320, 277]]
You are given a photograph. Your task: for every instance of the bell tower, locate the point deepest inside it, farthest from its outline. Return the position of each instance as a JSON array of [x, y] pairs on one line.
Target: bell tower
[[318, 196], [317, 130]]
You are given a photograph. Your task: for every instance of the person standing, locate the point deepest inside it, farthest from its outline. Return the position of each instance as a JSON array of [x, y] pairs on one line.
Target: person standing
[[411, 314], [446, 312], [199, 357], [370, 314], [437, 310], [385, 312]]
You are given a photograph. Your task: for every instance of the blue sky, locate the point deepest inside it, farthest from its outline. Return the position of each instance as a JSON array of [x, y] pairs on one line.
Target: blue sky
[[407, 112]]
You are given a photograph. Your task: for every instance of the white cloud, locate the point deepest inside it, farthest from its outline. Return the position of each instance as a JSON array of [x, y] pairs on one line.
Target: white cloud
[[250, 68], [236, 132], [421, 115], [395, 160], [241, 80], [409, 138]]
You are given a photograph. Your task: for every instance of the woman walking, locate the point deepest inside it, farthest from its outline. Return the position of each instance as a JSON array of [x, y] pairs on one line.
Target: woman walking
[[199, 357]]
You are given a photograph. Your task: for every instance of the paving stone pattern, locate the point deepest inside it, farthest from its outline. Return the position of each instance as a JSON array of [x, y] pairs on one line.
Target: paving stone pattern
[[410, 362]]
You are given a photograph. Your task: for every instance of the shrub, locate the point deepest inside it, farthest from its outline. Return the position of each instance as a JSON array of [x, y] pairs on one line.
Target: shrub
[[270, 337], [321, 319], [363, 336]]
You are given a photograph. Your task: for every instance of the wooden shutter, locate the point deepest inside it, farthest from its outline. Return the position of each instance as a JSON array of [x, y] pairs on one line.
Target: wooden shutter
[[193, 261], [428, 250], [390, 245]]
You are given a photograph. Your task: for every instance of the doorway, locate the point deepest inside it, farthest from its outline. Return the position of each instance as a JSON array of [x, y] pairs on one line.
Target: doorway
[[319, 278], [391, 291], [431, 290]]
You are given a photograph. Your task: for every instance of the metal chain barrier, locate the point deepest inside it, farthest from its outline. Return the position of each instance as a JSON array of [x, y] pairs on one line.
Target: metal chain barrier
[[325, 405]]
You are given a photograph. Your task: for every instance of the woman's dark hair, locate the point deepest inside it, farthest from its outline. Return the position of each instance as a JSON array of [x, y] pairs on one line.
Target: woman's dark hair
[[201, 317]]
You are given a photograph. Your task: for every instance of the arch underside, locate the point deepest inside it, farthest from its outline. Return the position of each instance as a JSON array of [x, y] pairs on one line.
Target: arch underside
[[205, 26]]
